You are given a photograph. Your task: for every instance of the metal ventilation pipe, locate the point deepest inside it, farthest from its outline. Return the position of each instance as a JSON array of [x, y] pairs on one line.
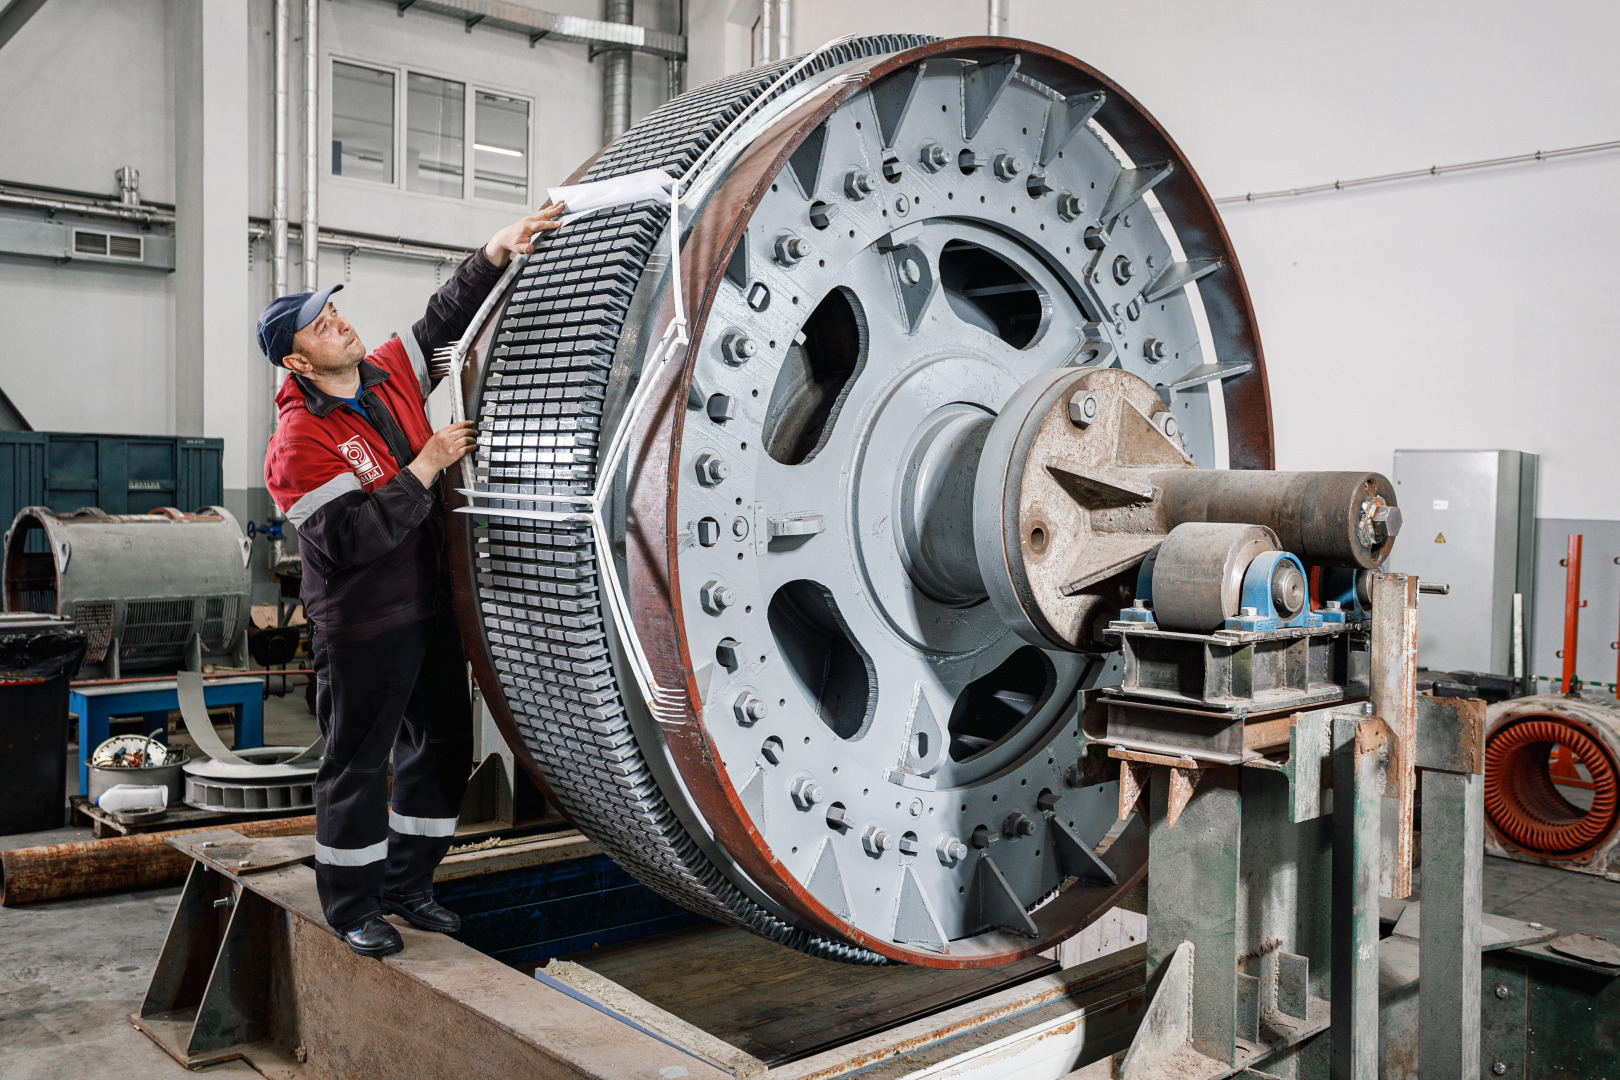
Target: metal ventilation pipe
[[767, 31], [616, 76], [784, 28], [997, 18], [677, 68], [312, 156], [278, 180]]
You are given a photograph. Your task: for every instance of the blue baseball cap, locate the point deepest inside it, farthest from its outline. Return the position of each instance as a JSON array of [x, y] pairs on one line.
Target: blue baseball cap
[[287, 315]]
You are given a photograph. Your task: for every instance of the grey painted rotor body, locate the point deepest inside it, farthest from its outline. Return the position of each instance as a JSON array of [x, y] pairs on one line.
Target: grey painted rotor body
[[895, 749]]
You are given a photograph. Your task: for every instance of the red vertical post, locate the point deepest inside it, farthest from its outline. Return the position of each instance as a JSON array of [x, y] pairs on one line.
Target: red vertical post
[[1572, 609]]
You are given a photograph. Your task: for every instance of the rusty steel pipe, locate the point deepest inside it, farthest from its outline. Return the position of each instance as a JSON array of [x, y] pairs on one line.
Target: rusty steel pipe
[[1572, 611], [1323, 517]]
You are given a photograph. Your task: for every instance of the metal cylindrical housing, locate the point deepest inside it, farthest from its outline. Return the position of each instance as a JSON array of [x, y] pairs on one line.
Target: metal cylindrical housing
[[616, 76], [148, 590], [309, 237], [1552, 781], [1323, 517], [1198, 574]]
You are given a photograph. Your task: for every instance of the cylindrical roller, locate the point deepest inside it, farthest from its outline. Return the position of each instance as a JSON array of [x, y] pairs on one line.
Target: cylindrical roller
[[1335, 518], [1198, 574]]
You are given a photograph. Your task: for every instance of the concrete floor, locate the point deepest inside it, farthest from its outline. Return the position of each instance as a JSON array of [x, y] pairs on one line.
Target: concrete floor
[[72, 971]]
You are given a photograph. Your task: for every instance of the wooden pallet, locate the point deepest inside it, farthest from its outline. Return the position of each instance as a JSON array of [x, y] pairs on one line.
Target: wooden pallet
[[102, 824]]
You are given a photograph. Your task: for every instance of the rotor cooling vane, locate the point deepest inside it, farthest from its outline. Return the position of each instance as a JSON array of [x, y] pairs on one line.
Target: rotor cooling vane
[[949, 378]]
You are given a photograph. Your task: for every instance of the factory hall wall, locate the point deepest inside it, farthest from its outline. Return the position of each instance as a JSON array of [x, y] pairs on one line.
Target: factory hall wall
[[91, 85], [1468, 311]]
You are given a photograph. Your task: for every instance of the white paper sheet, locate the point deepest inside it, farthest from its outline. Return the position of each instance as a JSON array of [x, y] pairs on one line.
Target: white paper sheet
[[588, 198]]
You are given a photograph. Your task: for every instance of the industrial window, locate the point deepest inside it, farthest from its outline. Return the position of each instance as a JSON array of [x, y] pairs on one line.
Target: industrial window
[[362, 123], [500, 147], [435, 135]]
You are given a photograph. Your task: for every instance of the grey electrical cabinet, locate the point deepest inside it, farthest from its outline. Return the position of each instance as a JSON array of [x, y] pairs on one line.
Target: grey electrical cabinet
[[1468, 520]]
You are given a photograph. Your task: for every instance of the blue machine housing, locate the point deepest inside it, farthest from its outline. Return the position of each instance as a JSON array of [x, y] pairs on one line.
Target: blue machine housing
[[1256, 596]]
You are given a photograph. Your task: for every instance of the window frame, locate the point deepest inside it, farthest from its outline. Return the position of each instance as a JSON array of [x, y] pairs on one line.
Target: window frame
[[470, 89]]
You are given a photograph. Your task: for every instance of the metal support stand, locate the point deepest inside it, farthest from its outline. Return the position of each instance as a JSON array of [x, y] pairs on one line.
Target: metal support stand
[[1358, 785]]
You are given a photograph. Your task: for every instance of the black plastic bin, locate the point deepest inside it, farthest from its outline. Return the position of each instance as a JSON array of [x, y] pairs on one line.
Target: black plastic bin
[[39, 655]]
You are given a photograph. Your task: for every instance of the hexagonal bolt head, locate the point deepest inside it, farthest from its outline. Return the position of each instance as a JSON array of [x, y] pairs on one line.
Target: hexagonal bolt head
[[749, 708], [1332, 605], [1018, 823], [822, 214], [858, 184], [727, 654], [875, 839], [951, 850], [1008, 166], [892, 169], [791, 249], [1499, 1068], [1096, 239], [806, 792], [910, 272], [720, 407], [739, 528], [736, 348], [1048, 801], [1386, 523], [1070, 205], [716, 596], [933, 156], [1124, 269], [708, 532], [1036, 185], [711, 468], [1154, 349], [1084, 408], [968, 161], [1501, 991]]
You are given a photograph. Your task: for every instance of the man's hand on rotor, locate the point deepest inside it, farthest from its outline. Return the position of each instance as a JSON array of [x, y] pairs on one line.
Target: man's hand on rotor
[[447, 446], [518, 238]]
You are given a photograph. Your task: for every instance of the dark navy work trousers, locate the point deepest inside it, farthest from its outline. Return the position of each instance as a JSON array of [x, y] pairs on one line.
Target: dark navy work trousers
[[404, 691]]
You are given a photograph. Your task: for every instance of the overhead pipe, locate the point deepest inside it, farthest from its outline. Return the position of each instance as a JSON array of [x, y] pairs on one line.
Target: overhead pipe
[[282, 35], [997, 22], [616, 76], [677, 67], [312, 91], [278, 180], [767, 31], [784, 28]]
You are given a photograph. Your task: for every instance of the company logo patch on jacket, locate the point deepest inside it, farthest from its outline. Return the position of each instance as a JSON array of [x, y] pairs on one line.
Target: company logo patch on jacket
[[358, 455]]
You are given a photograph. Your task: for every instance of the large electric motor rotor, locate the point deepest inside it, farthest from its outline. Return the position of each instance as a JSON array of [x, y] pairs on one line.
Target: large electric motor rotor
[[956, 311]]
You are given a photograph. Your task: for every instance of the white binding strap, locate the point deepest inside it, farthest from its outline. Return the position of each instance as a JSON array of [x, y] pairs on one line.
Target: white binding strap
[[406, 825], [351, 856], [413, 349], [341, 484]]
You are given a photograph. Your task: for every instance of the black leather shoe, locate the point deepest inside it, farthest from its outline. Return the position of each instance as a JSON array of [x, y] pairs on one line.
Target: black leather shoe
[[374, 937], [423, 912]]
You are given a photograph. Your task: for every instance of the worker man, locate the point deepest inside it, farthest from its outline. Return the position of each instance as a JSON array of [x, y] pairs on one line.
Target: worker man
[[353, 464]]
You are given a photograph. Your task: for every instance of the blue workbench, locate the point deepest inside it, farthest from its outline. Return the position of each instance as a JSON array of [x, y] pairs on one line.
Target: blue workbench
[[152, 701]]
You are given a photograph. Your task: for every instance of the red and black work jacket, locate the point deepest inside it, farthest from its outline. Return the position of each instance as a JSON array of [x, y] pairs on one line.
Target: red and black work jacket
[[371, 536]]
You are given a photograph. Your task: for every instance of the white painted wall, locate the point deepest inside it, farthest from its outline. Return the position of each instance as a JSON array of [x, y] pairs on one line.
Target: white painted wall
[[1464, 312], [89, 86]]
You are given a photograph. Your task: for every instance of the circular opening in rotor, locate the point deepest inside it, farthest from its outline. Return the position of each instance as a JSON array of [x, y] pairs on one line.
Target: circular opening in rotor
[[829, 666], [821, 363], [987, 291], [990, 708]]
